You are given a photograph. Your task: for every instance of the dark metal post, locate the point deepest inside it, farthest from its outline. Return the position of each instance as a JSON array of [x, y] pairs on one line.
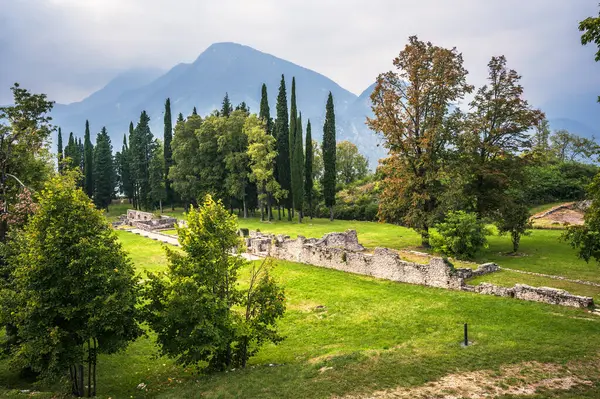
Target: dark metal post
[[466, 336]]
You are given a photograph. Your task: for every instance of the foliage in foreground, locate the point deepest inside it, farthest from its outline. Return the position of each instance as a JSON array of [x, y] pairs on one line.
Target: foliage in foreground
[[460, 235], [70, 291], [200, 314]]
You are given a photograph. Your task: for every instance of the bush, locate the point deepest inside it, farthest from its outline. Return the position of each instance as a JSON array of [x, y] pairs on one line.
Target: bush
[[460, 235]]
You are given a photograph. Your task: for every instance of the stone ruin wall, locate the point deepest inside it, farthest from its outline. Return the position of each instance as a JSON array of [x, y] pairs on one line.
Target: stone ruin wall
[[147, 221], [341, 251]]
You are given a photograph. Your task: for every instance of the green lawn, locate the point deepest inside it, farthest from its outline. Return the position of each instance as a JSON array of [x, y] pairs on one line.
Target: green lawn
[[374, 334]]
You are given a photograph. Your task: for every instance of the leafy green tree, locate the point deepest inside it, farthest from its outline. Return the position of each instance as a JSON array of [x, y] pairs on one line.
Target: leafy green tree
[[461, 234], [283, 173], [233, 145], [168, 153], [184, 173], [158, 194], [497, 129], [77, 296], [88, 162], [210, 161], [298, 170], [591, 34], [410, 109], [226, 108], [141, 147], [25, 159], [196, 307], [540, 145], [261, 155], [350, 164], [243, 107], [568, 147], [59, 150], [513, 218], [104, 171], [329, 156], [586, 239]]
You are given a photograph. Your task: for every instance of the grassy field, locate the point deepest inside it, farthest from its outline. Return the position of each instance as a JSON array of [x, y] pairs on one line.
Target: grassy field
[[368, 335]]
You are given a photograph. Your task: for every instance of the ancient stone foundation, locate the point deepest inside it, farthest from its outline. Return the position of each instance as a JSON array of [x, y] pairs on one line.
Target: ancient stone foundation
[[148, 221], [341, 251]]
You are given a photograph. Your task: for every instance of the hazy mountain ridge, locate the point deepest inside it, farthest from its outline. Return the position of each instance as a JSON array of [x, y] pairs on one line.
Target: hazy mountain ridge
[[240, 71]]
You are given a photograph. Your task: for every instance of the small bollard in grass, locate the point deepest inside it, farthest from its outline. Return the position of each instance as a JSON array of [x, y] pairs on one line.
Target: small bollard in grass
[[466, 336]]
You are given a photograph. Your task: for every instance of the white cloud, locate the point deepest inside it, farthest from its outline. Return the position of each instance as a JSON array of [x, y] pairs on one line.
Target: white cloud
[[68, 48]]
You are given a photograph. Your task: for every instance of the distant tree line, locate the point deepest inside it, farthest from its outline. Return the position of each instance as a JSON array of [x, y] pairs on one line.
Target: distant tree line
[[251, 162]]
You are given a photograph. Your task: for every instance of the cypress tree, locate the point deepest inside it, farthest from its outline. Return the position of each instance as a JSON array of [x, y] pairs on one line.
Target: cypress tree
[[298, 170], [308, 169], [329, 146], [80, 157], [265, 111], [141, 147], [293, 121], [180, 117], [70, 152], [168, 153], [125, 171], [227, 108], [194, 112], [283, 146], [88, 162], [104, 173], [59, 150]]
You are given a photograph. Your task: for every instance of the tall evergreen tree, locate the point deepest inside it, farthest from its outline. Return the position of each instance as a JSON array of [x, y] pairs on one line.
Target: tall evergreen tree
[[194, 111], [226, 108], [141, 146], [59, 150], [168, 153], [81, 158], [293, 122], [243, 107], [158, 192], [283, 146], [329, 146], [125, 171], [298, 170], [308, 169], [180, 117], [104, 172], [265, 111], [71, 153], [88, 162]]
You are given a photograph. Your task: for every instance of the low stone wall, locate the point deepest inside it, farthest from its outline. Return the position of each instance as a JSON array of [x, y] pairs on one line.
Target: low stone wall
[[148, 221], [537, 294], [341, 251]]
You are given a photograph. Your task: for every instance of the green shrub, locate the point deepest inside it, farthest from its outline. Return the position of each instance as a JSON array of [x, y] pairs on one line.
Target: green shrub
[[460, 235]]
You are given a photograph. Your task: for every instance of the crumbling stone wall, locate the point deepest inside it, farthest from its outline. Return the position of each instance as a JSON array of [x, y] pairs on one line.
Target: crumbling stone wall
[[148, 221], [537, 294], [341, 251]]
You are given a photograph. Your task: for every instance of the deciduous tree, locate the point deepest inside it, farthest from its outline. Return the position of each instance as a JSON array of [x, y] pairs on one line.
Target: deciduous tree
[[77, 296], [410, 109], [350, 164]]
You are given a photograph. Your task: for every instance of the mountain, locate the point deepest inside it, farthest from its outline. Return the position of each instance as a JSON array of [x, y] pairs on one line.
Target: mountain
[[240, 71], [223, 67]]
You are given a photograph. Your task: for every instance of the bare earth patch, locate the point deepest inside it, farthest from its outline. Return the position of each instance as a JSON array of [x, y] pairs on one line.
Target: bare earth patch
[[520, 379], [559, 217]]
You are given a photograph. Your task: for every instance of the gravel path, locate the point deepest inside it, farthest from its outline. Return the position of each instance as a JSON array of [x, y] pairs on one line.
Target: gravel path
[[167, 239]]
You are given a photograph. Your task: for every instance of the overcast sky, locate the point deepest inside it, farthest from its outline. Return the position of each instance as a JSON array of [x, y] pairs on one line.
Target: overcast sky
[[69, 48]]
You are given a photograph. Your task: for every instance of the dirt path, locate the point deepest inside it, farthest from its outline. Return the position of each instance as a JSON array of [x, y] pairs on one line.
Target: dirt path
[[174, 241], [519, 379]]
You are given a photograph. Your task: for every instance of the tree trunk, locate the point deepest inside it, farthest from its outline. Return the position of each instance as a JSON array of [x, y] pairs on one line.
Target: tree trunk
[[289, 215], [89, 390], [425, 238], [331, 213], [160, 205], [299, 217], [245, 208], [279, 211]]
